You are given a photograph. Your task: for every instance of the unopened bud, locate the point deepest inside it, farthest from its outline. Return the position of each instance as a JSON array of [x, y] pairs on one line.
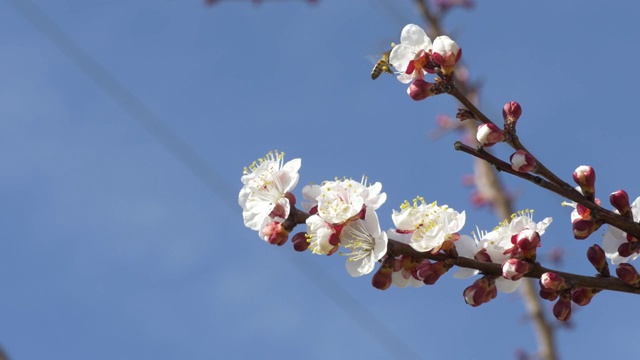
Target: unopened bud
[[626, 249], [381, 280], [582, 228], [482, 255], [528, 241], [420, 89], [547, 294], [482, 291], [511, 112], [620, 200], [489, 134], [583, 296], [585, 177], [430, 272], [514, 269], [598, 259], [553, 281], [274, 233], [627, 273], [522, 161], [446, 53], [562, 309], [300, 242]]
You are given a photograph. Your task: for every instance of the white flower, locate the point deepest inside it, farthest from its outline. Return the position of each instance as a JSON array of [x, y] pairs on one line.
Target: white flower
[[430, 225], [310, 193], [446, 52], [366, 241], [322, 237], [262, 197], [343, 200], [411, 54], [615, 237]]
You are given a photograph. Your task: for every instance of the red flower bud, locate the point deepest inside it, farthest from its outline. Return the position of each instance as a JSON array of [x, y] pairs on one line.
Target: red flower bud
[[382, 278], [583, 228], [528, 241], [627, 273], [583, 296], [598, 259], [620, 200], [511, 112], [562, 309], [300, 241], [585, 177], [522, 161]]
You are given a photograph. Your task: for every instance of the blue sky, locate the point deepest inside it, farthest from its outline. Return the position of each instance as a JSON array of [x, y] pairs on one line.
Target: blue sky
[[113, 248]]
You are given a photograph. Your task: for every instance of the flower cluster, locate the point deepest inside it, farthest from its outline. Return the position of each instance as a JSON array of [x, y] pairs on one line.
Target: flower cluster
[[416, 56], [343, 215], [266, 197], [512, 244]]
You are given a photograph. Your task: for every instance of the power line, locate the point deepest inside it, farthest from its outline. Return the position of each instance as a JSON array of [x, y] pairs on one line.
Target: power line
[[159, 130]]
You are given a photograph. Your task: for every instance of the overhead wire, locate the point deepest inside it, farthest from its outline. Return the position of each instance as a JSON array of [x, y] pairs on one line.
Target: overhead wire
[[364, 318]]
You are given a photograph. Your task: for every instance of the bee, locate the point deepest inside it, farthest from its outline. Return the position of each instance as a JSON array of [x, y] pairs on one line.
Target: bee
[[382, 65]]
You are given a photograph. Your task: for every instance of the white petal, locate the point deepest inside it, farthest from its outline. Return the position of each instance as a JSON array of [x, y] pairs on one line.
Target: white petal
[[507, 286], [413, 35], [400, 57]]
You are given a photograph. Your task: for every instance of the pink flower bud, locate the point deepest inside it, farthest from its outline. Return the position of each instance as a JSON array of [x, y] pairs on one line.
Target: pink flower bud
[[489, 134], [274, 233], [511, 112], [620, 200], [583, 296], [562, 309], [597, 258], [528, 241], [420, 90], [585, 177], [381, 280], [627, 273], [514, 269], [553, 281], [522, 161], [446, 53], [300, 241]]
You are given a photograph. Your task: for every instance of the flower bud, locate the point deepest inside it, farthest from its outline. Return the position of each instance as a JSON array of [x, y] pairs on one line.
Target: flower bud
[[482, 291], [274, 233], [583, 228], [620, 200], [514, 269], [528, 241], [521, 161], [627, 273], [583, 296], [381, 280], [511, 112], [626, 249], [420, 89], [300, 241], [489, 134], [547, 294], [430, 272], [562, 309], [482, 255], [553, 281], [598, 259], [446, 53], [585, 177]]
